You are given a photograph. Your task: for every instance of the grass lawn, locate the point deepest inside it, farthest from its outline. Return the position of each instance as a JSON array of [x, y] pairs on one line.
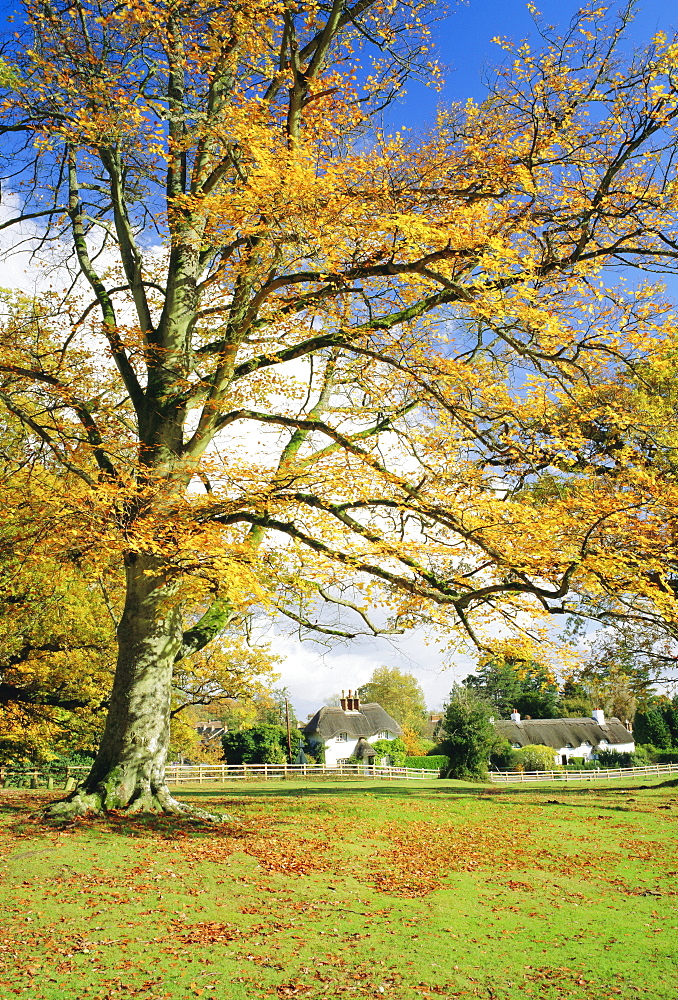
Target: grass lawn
[[351, 889]]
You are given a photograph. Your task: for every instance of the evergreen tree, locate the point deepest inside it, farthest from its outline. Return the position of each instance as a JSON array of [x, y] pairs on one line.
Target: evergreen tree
[[509, 683], [651, 727], [468, 735]]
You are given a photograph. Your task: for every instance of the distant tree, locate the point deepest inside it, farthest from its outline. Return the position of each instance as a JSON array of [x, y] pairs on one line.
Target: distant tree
[[512, 682], [574, 700], [468, 735], [670, 713], [263, 744], [263, 707], [621, 670], [399, 694], [657, 725], [416, 745]]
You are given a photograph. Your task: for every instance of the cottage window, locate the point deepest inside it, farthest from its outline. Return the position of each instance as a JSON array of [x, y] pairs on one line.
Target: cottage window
[[384, 735], [516, 746], [342, 738]]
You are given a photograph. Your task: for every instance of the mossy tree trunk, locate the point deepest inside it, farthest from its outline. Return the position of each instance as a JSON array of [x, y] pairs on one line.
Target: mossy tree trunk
[[129, 771]]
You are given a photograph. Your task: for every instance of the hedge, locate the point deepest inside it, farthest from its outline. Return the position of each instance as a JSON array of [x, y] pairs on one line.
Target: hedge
[[428, 763], [666, 756]]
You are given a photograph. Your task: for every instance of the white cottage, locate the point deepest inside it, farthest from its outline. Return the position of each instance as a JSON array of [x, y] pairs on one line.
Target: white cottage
[[346, 729], [569, 737]]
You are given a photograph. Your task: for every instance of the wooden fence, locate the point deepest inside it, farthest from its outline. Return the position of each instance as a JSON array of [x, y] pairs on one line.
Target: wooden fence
[[602, 774], [177, 774], [35, 777]]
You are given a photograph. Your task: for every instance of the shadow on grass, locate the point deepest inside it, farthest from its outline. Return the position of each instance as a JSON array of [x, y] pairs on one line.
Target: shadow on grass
[[22, 811], [442, 788]]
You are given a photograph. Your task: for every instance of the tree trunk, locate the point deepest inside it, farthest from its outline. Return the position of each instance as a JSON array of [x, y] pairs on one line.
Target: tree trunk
[[129, 771]]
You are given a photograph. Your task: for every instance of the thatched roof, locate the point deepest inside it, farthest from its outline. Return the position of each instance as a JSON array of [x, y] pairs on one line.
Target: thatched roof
[[558, 733], [364, 749], [370, 720]]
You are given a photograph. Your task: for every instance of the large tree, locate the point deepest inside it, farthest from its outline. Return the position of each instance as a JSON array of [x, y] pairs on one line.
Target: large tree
[[306, 344], [400, 694]]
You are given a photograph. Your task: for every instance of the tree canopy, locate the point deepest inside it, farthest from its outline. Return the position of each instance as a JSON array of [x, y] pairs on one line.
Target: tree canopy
[[305, 367], [468, 736], [399, 693], [511, 683]]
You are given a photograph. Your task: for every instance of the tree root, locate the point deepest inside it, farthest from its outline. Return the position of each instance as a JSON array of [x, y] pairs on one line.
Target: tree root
[[106, 798]]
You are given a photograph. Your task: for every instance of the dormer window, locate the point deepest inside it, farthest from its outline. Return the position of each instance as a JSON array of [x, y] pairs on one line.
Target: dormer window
[[585, 743], [568, 746], [516, 746], [342, 738]]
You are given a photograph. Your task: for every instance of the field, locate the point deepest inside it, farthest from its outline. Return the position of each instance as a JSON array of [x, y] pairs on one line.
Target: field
[[348, 890]]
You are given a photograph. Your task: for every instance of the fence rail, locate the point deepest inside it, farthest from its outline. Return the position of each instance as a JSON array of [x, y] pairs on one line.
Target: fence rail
[[602, 774], [36, 777], [177, 774]]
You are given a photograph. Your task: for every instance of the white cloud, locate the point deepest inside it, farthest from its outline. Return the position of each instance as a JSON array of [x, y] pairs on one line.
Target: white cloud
[[313, 674]]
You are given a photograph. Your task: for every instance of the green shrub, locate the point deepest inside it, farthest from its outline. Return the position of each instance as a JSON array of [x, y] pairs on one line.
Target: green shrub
[[666, 756], [534, 757], [78, 758], [395, 750], [501, 757], [615, 758], [260, 745], [428, 763], [315, 751]]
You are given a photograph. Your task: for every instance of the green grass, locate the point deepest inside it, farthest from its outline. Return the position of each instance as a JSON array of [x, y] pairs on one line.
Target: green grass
[[347, 890]]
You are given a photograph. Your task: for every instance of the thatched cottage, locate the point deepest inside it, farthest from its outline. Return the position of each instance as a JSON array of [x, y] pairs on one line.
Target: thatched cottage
[[346, 729], [568, 737]]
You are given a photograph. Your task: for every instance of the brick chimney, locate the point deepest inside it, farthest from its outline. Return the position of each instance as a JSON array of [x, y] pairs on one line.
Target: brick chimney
[[350, 703]]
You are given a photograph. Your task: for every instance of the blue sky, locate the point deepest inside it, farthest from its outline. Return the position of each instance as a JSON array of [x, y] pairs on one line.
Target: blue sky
[[465, 47]]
